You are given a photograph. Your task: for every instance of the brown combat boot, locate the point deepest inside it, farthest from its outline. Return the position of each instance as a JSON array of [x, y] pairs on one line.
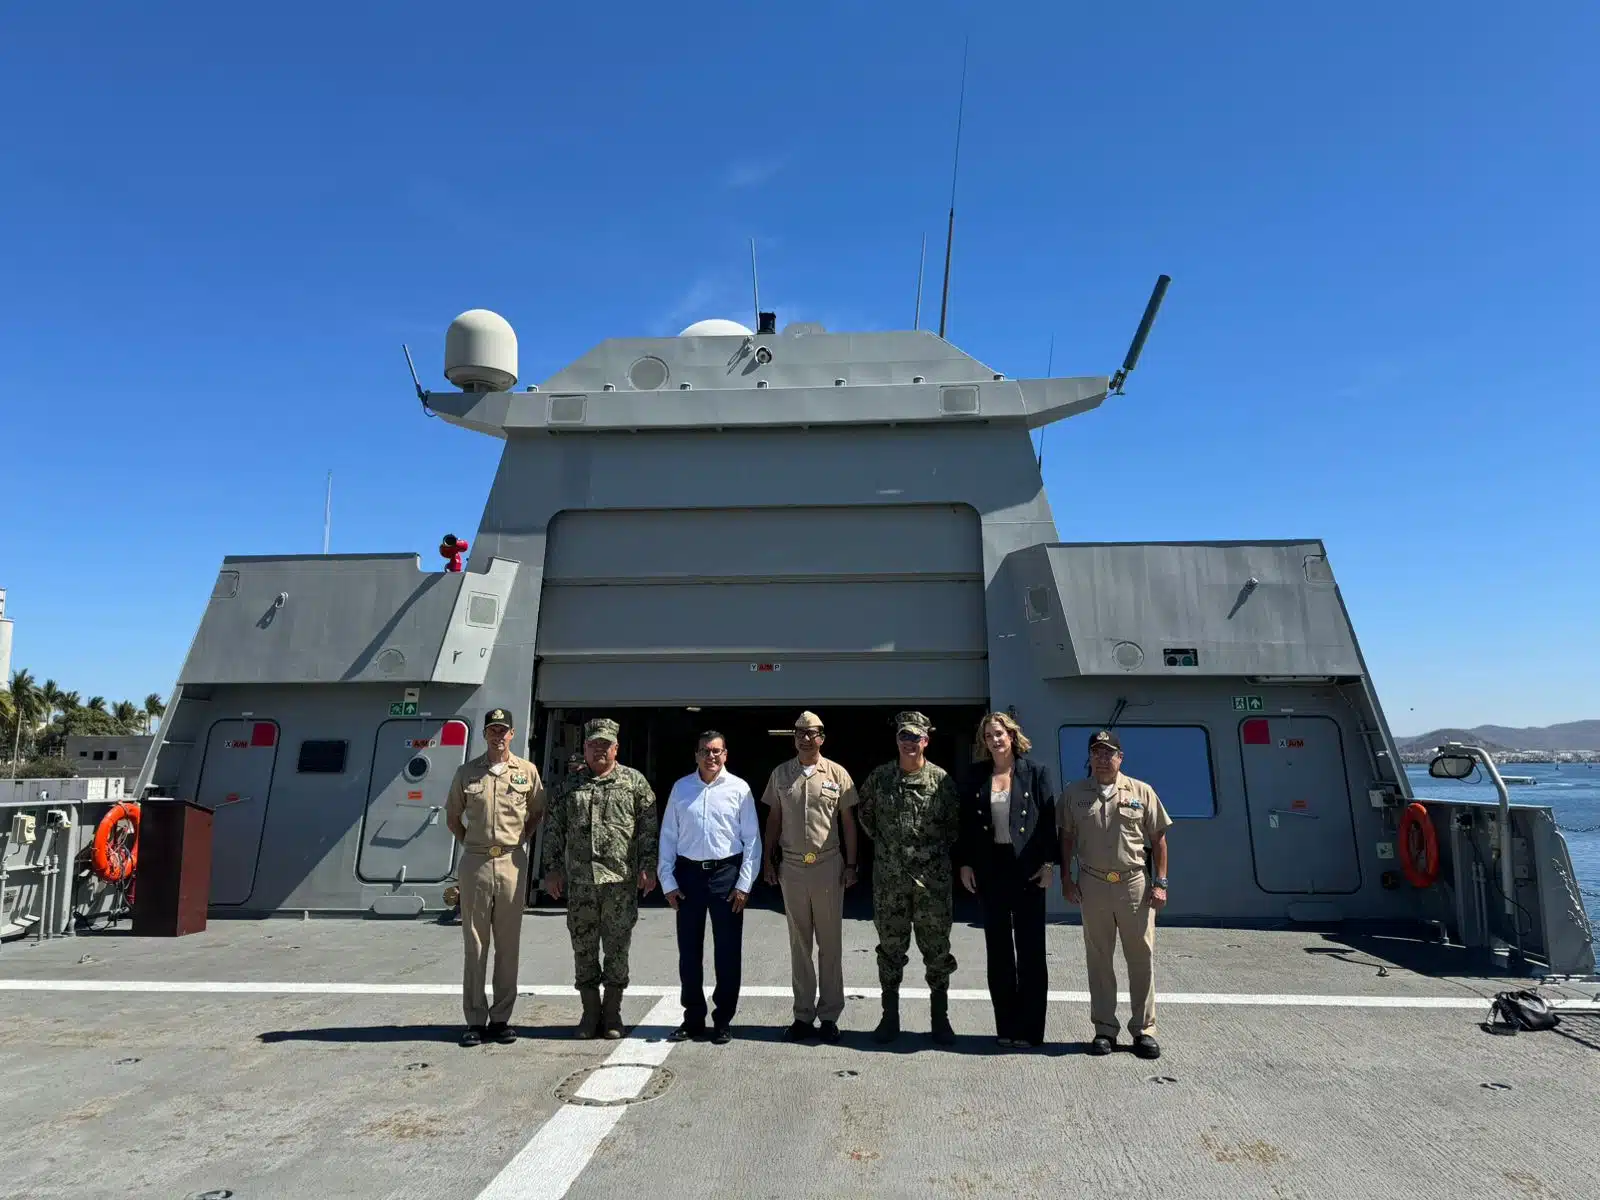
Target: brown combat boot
[[589, 1023], [611, 1014]]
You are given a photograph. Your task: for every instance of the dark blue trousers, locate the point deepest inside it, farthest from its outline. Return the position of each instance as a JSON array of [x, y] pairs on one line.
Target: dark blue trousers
[[706, 891]]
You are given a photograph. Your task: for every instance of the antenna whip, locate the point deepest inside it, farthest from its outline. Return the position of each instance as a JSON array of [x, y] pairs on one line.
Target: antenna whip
[[950, 231]]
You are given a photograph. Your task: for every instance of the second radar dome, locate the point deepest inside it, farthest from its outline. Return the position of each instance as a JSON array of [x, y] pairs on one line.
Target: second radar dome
[[480, 352]]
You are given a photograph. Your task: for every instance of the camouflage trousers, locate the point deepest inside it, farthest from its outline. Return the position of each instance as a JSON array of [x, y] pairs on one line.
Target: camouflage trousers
[[902, 906], [601, 914]]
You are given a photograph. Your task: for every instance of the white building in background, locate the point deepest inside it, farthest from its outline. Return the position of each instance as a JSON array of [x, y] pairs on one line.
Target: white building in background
[[107, 754], [5, 643]]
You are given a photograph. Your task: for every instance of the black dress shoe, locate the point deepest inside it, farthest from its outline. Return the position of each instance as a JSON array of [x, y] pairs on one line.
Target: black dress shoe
[[829, 1031], [1146, 1046], [473, 1036], [1102, 1044], [684, 1033], [800, 1031], [500, 1031], [722, 1036]]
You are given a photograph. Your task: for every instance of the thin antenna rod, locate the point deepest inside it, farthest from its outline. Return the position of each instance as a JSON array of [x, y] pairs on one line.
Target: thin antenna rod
[[916, 321], [955, 169], [327, 514], [1049, 365], [755, 282]]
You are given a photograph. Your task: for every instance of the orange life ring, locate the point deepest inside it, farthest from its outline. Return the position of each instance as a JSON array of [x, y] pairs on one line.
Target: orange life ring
[[1416, 834], [115, 858]]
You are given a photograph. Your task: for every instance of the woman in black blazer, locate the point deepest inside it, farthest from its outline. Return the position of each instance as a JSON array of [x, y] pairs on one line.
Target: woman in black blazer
[[1008, 844]]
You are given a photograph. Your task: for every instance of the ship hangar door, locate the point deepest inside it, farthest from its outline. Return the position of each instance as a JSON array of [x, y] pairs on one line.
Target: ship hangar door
[[404, 835], [780, 606], [235, 780], [1302, 829]]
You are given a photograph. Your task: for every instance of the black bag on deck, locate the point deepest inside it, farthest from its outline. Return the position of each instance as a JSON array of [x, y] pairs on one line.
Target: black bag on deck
[[1512, 1012]]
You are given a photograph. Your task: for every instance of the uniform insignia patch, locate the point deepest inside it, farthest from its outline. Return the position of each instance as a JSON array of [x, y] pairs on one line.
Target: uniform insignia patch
[[519, 779]]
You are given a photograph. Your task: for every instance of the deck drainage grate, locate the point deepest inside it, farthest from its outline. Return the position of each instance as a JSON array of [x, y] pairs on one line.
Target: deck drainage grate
[[847, 1074], [126, 1062], [1496, 1087], [1163, 1079], [417, 1066], [213, 1194]]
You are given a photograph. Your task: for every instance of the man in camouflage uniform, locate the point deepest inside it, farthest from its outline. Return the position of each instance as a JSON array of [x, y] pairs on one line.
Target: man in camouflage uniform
[[911, 811], [600, 844]]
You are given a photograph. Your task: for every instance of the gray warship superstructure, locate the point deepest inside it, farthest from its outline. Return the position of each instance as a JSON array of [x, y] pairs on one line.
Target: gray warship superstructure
[[728, 526]]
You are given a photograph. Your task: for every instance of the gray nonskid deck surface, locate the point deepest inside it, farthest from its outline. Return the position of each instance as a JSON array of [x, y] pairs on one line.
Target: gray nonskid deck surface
[[271, 1095]]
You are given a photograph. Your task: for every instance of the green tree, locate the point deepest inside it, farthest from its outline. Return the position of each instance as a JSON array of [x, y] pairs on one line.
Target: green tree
[[95, 704], [154, 708], [25, 704], [126, 714]]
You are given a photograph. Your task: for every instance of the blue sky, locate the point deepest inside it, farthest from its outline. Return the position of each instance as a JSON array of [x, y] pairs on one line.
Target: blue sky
[[220, 224]]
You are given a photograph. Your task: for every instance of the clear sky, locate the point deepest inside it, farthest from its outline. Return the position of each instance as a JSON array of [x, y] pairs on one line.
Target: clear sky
[[220, 222]]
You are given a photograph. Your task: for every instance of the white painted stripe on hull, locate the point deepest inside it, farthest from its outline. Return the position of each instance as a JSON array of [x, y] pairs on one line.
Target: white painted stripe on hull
[[752, 992]]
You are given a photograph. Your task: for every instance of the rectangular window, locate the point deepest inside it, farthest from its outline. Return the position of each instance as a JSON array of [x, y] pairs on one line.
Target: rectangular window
[[98, 755], [111, 756], [1173, 759], [83, 754], [322, 758]]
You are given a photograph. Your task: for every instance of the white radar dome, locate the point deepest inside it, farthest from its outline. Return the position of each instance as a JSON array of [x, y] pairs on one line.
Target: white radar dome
[[480, 352], [716, 327]]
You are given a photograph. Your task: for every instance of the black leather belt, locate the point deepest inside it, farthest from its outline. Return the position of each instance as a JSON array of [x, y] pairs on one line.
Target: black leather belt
[[711, 864]]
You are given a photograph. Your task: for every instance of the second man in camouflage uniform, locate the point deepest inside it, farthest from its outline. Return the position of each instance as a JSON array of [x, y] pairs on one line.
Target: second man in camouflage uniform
[[599, 844], [911, 811]]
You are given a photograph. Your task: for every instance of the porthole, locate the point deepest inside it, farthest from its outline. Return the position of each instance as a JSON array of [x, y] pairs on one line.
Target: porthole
[[416, 768]]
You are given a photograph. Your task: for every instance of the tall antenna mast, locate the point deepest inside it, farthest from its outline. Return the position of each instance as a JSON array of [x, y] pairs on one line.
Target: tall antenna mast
[[916, 321], [1049, 365], [327, 514], [950, 232], [755, 282]]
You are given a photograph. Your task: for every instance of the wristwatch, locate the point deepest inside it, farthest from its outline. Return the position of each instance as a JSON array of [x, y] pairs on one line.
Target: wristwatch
[[1159, 881]]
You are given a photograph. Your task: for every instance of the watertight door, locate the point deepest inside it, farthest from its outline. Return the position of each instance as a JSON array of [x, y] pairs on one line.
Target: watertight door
[[1302, 830], [235, 781], [404, 837]]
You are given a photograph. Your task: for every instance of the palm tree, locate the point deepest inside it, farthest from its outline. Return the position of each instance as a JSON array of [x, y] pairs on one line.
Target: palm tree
[[68, 703], [95, 704], [25, 712], [154, 706], [126, 714], [51, 694]]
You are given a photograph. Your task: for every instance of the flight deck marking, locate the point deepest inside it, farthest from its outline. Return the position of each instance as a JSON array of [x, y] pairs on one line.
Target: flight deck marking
[[558, 1153], [670, 992]]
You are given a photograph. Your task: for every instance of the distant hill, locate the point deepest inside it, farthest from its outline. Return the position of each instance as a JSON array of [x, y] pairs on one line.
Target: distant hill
[[1571, 735]]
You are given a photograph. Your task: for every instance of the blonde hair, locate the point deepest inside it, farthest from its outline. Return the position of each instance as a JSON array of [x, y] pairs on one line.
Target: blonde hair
[[1019, 740]]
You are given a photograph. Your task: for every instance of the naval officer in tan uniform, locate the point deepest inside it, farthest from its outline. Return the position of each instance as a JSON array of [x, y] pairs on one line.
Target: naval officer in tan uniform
[[1109, 820], [496, 801], [810, 803]]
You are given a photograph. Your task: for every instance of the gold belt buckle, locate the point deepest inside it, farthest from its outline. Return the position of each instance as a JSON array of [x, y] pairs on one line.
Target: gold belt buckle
[[809, 857], [495, 851], [1113, 876]]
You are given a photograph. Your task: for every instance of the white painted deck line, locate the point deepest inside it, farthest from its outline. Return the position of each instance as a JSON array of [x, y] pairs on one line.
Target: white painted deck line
[[670, 992], [556, 1155]]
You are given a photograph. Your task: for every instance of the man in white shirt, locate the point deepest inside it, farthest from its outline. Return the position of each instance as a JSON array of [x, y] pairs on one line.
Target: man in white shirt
[[710, 848]]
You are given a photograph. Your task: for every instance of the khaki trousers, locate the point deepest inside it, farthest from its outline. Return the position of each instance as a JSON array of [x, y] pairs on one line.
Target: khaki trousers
[[493, 891], [813, 899], [1112, 911]]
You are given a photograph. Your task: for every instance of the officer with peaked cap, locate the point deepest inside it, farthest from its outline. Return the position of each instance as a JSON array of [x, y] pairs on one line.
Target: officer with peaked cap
[[1110, 820], [600, 847], [811, 802], [494, 806], [910, 809]]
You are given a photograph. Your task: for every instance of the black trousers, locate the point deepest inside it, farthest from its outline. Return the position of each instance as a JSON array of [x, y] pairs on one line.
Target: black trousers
[[706, 891], [1013, 932]]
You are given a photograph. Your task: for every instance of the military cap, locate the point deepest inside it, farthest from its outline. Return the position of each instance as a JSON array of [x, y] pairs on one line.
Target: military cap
[[498, 716], [913, 721], [808, 720], [1105, 738], [603, 728]]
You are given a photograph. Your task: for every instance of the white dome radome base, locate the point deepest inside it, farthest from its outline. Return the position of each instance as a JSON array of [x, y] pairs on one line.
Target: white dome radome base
[[716, 327]]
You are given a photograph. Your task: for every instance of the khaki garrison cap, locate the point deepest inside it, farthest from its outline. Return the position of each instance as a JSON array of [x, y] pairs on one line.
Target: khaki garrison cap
[[808, 720]]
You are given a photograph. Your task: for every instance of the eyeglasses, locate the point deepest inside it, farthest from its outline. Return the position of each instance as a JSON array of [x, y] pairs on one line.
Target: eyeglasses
[[710, 753], [905, 735], [808, 735]]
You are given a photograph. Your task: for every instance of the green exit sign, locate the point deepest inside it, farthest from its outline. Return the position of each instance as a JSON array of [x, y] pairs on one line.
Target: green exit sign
[[1248, 704], [403, 708]]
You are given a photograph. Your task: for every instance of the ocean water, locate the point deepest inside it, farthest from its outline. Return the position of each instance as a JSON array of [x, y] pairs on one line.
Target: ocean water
[[1571, 791]]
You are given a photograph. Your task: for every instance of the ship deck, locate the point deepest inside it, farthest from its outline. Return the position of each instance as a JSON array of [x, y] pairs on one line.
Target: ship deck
[[317, 1058]]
